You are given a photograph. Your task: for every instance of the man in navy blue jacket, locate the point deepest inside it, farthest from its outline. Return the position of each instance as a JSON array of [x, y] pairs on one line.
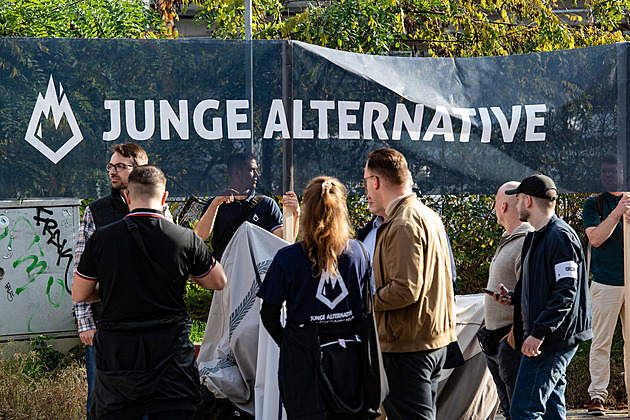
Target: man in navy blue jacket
[[552, 303]]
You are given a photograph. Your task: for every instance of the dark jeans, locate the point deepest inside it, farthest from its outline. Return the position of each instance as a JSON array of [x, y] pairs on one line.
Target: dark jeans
[[540, 385], [504, 367], [90, 370], [413, 383]]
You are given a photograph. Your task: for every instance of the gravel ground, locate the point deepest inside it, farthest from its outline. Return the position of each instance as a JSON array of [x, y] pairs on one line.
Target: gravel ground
[[583, 415]]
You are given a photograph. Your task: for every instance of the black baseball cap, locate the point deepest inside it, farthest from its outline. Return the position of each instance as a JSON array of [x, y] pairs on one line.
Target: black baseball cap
[[536, 186]]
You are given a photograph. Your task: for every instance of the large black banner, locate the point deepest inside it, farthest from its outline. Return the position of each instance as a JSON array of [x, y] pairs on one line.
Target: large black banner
[[465, 125]]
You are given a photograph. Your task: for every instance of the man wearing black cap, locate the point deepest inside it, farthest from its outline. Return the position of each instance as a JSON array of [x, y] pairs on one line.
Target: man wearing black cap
[[552, 313]]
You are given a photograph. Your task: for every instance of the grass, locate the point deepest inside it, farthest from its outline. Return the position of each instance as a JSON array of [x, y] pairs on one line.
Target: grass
[[578, 376], [42, 384]]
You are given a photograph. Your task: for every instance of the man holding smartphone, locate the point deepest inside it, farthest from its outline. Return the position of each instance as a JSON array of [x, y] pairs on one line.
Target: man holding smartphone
[[552, 312], [505, 268]]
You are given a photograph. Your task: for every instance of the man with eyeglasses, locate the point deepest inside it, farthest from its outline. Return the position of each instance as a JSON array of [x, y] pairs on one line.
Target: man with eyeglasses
[[414, 303], [99, 213], [602, 215], [239, 202]]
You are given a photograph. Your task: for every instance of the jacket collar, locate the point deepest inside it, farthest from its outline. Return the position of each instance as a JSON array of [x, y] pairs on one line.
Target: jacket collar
[[146, 212], [119, 199], [522, 229], [395, 203], [550, 222]]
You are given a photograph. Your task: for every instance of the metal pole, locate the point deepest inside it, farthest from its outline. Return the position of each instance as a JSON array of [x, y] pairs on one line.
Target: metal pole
[[248, 20], [249, 73], [287, 144]]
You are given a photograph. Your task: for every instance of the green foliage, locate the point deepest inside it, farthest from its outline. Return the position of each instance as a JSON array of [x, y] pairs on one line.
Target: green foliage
[[197, 330], [198, 302], [364, 26], [473, 230], [474, 234], [226, 17], [47, 357], [79, 19], [45, 361], [452, 28]]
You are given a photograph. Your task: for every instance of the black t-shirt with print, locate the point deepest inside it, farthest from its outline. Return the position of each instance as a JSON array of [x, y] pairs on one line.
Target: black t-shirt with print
[[323, 299]]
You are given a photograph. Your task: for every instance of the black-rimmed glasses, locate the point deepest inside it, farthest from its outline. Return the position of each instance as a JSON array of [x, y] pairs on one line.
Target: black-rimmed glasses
[[117, 167]]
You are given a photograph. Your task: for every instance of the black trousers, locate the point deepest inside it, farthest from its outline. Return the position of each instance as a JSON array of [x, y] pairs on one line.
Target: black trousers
[[504, 367], [413, 383]]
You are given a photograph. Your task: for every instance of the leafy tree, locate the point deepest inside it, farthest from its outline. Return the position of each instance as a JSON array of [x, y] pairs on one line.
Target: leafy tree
[[450, 28], [79, 19]]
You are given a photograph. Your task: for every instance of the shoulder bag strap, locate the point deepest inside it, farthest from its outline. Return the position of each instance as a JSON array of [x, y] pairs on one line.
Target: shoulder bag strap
[[133, 229], [599, 201], [225, 238], [368, 304]]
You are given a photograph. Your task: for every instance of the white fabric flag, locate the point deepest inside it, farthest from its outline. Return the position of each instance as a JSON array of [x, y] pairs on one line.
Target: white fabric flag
[[229, 351]]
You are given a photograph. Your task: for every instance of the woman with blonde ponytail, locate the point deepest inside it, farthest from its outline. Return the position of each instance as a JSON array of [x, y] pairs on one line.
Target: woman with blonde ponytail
[[321, 279]]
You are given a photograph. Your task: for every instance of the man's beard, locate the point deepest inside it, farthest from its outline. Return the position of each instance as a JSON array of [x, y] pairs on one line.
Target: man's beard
[[117, 184], [523, 215]]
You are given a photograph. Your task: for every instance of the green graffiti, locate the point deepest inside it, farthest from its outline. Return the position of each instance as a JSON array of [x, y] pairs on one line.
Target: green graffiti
[[35, 236], [28, 326], [52, 281], [29, 270], [36, 263]]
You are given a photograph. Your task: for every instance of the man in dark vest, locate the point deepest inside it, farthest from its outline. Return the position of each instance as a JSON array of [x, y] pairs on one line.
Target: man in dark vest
[[99, 213], [239, 203]]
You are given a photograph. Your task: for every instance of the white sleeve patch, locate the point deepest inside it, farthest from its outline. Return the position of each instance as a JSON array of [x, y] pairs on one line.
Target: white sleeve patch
[[566, 269]]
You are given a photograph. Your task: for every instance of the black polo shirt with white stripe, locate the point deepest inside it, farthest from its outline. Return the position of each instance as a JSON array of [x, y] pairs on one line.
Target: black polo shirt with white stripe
[[130, 287]]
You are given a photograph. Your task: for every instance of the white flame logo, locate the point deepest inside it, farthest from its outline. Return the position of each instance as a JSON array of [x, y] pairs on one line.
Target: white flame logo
[[59, 108], [332, 282]]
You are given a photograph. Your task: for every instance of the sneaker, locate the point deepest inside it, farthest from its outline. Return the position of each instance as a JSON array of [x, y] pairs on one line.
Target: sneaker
[[596, 407]]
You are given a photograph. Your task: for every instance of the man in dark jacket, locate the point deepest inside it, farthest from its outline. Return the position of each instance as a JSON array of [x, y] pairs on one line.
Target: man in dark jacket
[[552, 312]]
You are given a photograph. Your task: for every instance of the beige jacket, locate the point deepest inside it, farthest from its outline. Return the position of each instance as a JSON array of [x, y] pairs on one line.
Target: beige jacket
[[414, 304]]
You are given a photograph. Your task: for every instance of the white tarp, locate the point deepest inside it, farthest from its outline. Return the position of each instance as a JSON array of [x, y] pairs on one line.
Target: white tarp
[[229, 351], [468, 392]]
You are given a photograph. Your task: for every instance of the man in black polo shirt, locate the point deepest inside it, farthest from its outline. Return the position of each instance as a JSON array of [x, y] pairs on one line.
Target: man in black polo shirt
[[138, 267], [221, 214]]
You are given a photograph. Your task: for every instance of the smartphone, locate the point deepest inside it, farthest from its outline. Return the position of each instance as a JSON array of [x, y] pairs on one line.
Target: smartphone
[[491, 293]]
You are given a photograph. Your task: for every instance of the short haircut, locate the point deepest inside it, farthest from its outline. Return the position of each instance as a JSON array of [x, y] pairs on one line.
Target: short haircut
[[132, 150], [238, 160], [610, 160], [544, 203], [389, 164], [147, 182]]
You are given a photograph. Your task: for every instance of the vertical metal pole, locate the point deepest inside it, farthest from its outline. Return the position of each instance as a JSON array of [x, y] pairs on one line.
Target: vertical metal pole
[[248, 20], [287, 144], [287, 98], [249, 73]]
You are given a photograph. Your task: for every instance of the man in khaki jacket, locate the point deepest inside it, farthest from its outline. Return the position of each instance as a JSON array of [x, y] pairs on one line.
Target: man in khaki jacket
[[413, 304]]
